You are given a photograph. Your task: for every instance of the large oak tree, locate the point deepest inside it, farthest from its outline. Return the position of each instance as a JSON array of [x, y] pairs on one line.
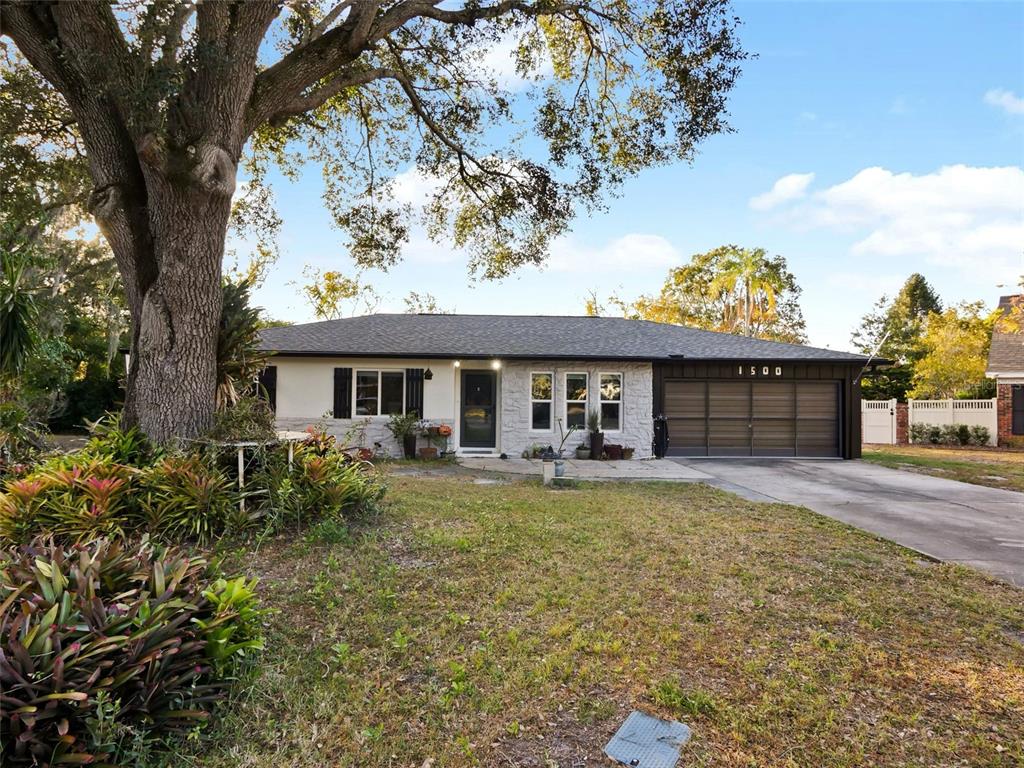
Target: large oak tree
[[170, 97]]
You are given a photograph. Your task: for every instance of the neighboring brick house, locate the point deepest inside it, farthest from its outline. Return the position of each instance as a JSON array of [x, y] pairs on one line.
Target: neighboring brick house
[[1006, 366]]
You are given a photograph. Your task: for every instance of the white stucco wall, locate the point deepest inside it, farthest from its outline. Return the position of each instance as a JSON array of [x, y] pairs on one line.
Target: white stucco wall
[[637, 396], [305, 396]]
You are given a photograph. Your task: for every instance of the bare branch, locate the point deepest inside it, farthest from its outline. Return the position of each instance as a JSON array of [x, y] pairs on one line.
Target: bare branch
[[337, 84]]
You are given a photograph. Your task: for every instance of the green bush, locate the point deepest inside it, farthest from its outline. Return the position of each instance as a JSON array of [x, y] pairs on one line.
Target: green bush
[[113, 442], [104, 644], [187, 497], [980, 435]]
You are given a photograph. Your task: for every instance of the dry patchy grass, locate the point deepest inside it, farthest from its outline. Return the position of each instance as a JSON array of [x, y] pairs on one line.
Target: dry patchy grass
[[981, 466], [512, 625]]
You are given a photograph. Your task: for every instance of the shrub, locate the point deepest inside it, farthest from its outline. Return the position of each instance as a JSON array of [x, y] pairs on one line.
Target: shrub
[[249, 418], [955, 434], [111, 441], [918, 433], [184, 496], [980, 435], [107, 638]]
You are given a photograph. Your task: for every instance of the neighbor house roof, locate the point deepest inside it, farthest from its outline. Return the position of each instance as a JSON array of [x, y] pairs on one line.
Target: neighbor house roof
[[527, 336], [1006, 355]]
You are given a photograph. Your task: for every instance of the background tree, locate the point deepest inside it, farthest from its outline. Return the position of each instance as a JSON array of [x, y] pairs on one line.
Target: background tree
[[167, 96], [729, 289], [333, 295], [954, 353], [894, 328], [424, 304]]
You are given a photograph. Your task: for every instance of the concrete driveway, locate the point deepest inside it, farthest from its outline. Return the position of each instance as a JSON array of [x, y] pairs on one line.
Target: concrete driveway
[[970, 524]]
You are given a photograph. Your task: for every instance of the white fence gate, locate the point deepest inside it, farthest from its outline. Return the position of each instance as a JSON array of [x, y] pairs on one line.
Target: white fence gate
[[878, 421], [878, 417]]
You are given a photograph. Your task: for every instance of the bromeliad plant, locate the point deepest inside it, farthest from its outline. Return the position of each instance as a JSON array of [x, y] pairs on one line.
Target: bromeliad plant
[[84, 626]]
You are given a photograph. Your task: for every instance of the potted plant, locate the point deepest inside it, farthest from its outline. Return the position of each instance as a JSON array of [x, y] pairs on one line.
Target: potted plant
[[627, 452], [403, 427], [596, 435], [582, 452], [613, 451]]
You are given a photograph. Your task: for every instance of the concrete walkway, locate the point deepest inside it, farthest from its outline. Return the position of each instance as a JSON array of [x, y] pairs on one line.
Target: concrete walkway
[[957, 522], [646, 469]]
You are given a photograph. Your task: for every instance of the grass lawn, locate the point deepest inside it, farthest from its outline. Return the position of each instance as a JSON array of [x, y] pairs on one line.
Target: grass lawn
[[994, 468], [510, 625]]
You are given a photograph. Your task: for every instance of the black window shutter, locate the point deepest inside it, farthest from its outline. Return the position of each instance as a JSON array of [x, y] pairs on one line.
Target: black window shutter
[[343, 393], [414, 391], [268, 385]]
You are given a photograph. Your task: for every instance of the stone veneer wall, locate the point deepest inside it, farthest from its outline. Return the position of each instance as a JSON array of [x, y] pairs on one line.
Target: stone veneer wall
[[637, 404], [362, 433]]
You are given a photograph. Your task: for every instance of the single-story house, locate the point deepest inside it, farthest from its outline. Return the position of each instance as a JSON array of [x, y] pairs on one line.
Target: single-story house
[[1006, 366], [506, 382]]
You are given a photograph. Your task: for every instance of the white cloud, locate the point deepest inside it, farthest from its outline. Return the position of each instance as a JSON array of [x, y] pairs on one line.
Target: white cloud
[[972, 217], [498, 60], [1006, 100], [632, 252], [786, 189]]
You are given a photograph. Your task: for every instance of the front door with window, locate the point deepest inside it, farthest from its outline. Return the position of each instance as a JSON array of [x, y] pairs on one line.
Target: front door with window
[[479, 401]]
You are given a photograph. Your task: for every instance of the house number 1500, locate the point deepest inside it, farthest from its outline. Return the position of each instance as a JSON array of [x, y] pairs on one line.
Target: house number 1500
[[765, 371]]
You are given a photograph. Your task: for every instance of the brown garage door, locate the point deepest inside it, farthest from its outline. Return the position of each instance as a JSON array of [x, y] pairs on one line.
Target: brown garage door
[[752, 418]]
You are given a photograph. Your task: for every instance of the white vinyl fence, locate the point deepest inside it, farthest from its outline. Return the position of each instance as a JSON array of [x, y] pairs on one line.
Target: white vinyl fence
[[878, 417]]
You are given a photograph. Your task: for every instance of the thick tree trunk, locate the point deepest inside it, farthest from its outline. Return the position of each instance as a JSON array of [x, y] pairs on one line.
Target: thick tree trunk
[[173, 364]]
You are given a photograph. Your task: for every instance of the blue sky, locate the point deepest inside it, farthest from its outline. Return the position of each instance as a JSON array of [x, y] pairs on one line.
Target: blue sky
[[872, 140]]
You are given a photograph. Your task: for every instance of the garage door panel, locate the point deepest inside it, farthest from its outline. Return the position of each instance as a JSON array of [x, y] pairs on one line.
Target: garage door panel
[[728, 437], [817, 437], [685, 399], [774, 400], [688, 437], [775, 437], [729, 399], [817, 400]]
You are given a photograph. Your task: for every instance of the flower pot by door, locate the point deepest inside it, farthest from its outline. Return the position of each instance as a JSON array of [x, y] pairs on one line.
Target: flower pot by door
[[409, 446], [429, 452], [596, 444]]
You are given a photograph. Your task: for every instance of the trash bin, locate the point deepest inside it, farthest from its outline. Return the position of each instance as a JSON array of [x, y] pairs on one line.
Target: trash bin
[[660, 436]]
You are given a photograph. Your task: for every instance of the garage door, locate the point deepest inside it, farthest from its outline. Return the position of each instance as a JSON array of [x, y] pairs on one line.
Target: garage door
[[752, 418]]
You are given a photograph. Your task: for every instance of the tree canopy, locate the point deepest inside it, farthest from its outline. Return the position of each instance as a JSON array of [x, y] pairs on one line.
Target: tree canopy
[[953, 353], [730, 289], [168, 98]]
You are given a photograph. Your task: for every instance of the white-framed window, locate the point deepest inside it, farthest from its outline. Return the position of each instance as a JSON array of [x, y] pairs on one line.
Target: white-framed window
[[611, 402], [378, 393], [542, 395], [577, 384]]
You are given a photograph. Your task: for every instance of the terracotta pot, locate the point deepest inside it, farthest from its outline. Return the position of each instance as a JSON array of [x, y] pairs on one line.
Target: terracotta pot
[[614, 452], [627, 453], [428, 452]]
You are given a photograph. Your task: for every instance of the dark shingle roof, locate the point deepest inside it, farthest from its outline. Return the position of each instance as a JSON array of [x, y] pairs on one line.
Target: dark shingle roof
[[1006, 355], [523, 336]]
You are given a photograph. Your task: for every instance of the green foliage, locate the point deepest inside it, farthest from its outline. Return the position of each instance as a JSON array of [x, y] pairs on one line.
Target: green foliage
[[239, 358], [106, 643], [248, 418], [894, 328], [401, 425], [18, 313], [110, 441], [954, 352], [728, 289], [21, 438], [894, 382], [186, 497], [949, 434]]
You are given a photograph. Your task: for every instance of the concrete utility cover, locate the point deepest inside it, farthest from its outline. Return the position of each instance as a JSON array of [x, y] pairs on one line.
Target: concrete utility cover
[[647, 742]]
